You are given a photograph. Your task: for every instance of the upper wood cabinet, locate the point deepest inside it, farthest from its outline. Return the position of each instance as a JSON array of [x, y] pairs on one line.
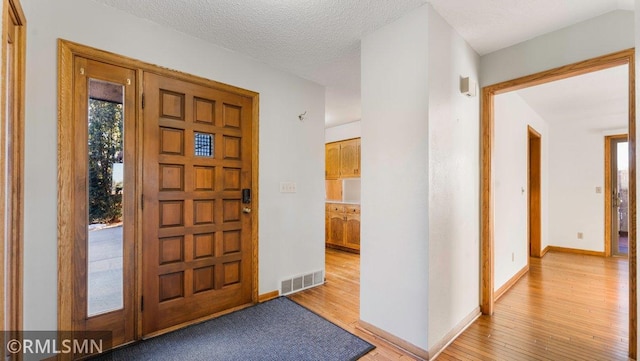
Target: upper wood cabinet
[[343, 159], [350, 158], [332, 161]]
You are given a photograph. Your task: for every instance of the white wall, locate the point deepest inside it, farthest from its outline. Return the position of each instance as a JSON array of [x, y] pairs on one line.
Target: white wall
[[576, 169], [453, 181], [395, 178], [291, 225], [342, 132], [511, 242], [602, 35], [420, 181]]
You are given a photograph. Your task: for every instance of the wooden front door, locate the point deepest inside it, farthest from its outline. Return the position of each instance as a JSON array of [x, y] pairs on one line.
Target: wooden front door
[[196, 224]]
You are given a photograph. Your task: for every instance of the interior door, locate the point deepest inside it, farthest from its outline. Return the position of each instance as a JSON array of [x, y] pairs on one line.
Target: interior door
[[619, 196], [104, 170], [197, 248]]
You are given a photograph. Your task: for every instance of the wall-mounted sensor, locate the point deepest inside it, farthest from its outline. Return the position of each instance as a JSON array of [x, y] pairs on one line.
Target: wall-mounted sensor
[[468, 87]]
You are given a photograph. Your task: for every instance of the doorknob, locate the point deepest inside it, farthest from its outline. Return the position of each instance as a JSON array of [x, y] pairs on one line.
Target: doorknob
[[246, 210]]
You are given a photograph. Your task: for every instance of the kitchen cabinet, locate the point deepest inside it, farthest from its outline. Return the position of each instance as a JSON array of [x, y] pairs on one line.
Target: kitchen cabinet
[[332, 161], [352, 229], [342, 226], [342, 159], [350, 158]]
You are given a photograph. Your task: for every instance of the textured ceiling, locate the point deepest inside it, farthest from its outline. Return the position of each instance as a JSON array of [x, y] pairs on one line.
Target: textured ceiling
[[599, 100], [316, 39], [320, 39]]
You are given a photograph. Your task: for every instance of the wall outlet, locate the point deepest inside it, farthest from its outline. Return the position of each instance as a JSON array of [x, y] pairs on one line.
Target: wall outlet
[[287, 187], [598, 189], [580, 235], [513, 257]]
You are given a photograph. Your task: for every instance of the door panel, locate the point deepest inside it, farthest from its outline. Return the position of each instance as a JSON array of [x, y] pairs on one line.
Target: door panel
[[352, 225], [104, 108], [332, 161], [350, 158], [197, 249]]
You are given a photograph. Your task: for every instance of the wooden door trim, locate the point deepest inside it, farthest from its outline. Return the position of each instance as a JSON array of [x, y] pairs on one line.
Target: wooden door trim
[[534, 213], [486, 170], [13, 27], [67, 51], [607, 190]]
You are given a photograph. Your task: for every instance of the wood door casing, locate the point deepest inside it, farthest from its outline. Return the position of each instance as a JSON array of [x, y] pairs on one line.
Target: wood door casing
[[197, 247], [486, 186], [12, 164]]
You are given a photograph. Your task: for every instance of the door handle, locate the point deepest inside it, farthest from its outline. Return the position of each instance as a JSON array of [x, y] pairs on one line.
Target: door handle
[[246, 210]]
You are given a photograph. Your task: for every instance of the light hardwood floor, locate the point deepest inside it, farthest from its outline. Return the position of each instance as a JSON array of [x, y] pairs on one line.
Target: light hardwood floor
[[338, 300], [568, 307]]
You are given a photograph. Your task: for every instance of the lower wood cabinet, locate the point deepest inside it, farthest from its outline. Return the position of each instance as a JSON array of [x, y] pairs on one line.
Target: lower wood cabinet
[[342, 226]]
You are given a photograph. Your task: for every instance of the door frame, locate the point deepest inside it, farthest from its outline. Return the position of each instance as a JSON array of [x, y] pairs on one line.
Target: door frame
[[486, 171], [534, 201], [67, 51], [608, 140], [14, 27]]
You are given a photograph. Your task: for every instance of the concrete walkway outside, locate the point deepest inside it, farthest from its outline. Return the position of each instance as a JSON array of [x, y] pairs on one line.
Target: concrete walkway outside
[[105, 270]]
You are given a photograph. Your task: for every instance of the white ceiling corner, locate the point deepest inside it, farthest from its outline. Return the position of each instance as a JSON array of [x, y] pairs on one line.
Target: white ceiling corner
[[490, 25], [597, 100]]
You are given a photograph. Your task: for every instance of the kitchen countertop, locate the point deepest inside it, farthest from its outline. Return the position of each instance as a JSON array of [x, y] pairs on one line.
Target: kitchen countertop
[[342, 202]]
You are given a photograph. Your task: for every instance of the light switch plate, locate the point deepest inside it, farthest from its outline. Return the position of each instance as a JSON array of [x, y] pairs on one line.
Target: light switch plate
[[287, 187]]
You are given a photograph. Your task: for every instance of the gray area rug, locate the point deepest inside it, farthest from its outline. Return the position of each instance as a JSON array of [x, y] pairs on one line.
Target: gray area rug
[[279, 329]]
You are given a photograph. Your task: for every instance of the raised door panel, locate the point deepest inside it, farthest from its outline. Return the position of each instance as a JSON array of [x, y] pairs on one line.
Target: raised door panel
[[352, 231], [336, 228], [350, 159], [332, 161]]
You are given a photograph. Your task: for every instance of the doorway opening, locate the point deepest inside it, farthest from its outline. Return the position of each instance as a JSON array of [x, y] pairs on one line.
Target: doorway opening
[[626, 57], [616, 195], [535, 183]]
